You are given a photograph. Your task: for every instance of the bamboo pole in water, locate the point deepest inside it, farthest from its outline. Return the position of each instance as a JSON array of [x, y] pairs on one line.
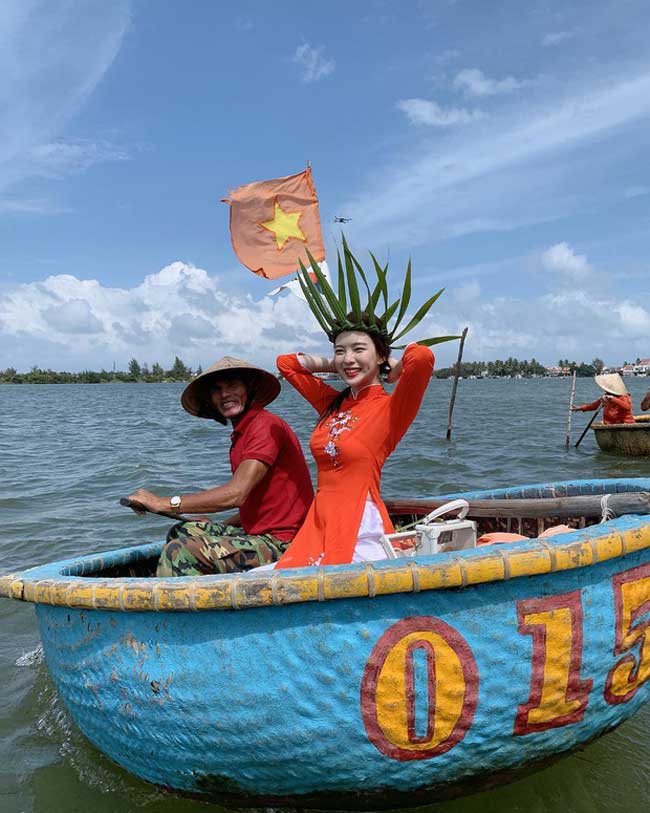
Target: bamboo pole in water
[[573, 393], [455, 384]]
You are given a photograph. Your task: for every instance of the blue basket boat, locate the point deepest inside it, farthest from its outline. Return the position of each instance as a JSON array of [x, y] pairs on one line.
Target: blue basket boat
[[361, 686]]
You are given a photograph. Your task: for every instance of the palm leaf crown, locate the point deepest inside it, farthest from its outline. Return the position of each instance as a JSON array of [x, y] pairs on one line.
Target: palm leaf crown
[[336, 312]]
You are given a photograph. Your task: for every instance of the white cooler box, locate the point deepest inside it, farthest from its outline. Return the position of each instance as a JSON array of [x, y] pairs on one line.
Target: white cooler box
[[434, 535]]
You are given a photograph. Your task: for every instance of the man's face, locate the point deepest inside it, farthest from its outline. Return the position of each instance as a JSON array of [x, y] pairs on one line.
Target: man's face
[[229, 396]]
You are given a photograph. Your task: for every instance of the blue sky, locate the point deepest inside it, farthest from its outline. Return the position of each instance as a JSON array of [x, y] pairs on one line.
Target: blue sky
[[504, 146]]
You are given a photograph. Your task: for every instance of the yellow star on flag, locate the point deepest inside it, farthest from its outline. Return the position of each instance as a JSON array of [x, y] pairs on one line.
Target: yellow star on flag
[[284, 225]]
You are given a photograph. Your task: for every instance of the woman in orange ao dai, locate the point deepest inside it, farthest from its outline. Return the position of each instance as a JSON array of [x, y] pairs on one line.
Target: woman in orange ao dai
[[357, 430]]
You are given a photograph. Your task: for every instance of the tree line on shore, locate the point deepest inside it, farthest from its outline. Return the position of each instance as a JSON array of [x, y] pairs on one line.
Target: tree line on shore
[[135, 372], [512, 367]]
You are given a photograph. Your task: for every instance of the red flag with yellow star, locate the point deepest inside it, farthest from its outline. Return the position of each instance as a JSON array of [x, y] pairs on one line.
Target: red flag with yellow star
[[272, 223]]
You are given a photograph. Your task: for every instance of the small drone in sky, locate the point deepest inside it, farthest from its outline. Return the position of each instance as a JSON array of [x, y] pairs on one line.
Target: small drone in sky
[[338, 219]]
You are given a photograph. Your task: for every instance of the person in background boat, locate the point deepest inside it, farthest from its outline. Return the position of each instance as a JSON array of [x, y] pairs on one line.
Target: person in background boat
[[270, 482], [616, 401], [357, 430], [645, 404]]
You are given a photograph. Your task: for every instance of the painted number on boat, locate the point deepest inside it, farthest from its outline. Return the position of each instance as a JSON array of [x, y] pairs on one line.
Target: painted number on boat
[[428, 652], [631, 608], [420, 685], [558, 696]]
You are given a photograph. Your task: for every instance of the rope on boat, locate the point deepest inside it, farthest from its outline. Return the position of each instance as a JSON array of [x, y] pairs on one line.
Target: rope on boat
[[606, 512]]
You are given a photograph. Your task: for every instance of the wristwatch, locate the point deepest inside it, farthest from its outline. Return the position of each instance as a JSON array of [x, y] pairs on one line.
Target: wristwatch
[[175, 503]]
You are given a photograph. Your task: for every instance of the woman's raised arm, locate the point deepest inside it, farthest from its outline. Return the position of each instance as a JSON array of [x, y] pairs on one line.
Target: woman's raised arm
[[299, 369]]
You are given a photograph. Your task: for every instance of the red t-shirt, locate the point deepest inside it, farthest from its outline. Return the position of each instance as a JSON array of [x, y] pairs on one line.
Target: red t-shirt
[[278, 505]]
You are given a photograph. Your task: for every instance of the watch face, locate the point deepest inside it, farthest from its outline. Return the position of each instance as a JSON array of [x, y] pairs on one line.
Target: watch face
[[175, 501]]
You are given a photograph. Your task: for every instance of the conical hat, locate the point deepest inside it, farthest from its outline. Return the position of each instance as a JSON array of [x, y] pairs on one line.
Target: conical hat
[[195, 397], [611, 383]]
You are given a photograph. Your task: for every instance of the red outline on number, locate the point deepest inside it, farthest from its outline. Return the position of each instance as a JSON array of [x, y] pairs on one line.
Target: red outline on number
[[371, 675], [576, 688], [632, 575]]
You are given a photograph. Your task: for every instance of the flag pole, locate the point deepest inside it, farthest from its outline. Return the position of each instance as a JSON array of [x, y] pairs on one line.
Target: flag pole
[[455, 384]]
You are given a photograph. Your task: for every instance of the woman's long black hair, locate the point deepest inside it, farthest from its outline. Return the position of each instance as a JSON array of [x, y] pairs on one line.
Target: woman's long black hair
[[382, 348]]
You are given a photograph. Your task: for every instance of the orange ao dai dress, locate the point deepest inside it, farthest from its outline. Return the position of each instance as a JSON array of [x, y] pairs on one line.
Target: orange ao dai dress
[[350, 447]]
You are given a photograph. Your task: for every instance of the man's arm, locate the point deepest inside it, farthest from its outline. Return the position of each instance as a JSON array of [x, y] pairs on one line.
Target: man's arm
[[645, 404], [248, 474]]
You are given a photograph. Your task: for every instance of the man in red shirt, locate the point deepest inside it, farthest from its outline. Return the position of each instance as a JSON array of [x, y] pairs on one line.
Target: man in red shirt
[[270, 483], [616, 401]]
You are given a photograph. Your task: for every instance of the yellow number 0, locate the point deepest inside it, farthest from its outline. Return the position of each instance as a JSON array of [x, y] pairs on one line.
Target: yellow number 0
[[388, 690]]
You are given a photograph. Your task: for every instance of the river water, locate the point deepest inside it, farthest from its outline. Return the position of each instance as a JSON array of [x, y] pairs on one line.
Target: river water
[[68, 452]]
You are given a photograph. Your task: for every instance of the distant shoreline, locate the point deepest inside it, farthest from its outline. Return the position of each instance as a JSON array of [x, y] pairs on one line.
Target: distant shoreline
[[94, 383], [187, 381]]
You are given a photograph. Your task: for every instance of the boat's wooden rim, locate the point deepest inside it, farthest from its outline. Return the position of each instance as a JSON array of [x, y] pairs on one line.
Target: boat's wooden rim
[[642, 424], [69, 583], [63, 583]]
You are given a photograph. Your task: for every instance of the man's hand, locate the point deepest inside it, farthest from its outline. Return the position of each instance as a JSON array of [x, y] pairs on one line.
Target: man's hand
[[645, 404], [149, 502]]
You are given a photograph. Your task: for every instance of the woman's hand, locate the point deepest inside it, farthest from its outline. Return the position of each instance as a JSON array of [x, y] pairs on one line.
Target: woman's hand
[[150, 501], [395, 370]]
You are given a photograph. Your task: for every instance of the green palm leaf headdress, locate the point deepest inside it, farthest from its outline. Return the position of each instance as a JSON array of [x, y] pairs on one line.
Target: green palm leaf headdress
[[342, 310]]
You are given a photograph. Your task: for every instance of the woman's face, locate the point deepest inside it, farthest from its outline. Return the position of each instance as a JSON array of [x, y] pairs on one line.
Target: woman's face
[[356, 359]]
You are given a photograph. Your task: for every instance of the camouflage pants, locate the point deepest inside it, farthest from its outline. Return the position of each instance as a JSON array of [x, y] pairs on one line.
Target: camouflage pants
[[201, 548]]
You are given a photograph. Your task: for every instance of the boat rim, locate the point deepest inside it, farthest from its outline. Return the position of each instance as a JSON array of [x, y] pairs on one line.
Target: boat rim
[[68, 583]]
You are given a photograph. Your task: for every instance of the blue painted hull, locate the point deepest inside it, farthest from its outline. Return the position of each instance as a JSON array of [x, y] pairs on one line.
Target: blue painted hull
[[316, 704]]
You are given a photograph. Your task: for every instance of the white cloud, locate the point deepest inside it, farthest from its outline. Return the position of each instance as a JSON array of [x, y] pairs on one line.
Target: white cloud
[[64, 322], [52, 56], [314, 65], [635, 319], [484, 177], [474, 82], [563, 259], [67, 322], [447, 56], [431, 114], [243, 24], [469, 291], [611, 328], [556, 38], [57, 159], [636, 191], [38, 206], [72, 317]]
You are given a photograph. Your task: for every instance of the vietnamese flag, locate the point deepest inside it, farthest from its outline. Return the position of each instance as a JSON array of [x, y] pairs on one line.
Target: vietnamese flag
[[273, 223]]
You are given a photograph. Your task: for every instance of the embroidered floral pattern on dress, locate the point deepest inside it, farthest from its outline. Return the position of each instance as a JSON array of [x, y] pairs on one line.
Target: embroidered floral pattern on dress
[[337, 424]]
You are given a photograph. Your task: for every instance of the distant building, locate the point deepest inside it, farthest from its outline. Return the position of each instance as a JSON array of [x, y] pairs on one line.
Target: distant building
[[642, 368], [627, 369], [554, 372]]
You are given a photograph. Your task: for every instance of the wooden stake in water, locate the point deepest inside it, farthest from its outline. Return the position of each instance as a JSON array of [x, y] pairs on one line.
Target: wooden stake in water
[[573, 393], [455, 384]]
